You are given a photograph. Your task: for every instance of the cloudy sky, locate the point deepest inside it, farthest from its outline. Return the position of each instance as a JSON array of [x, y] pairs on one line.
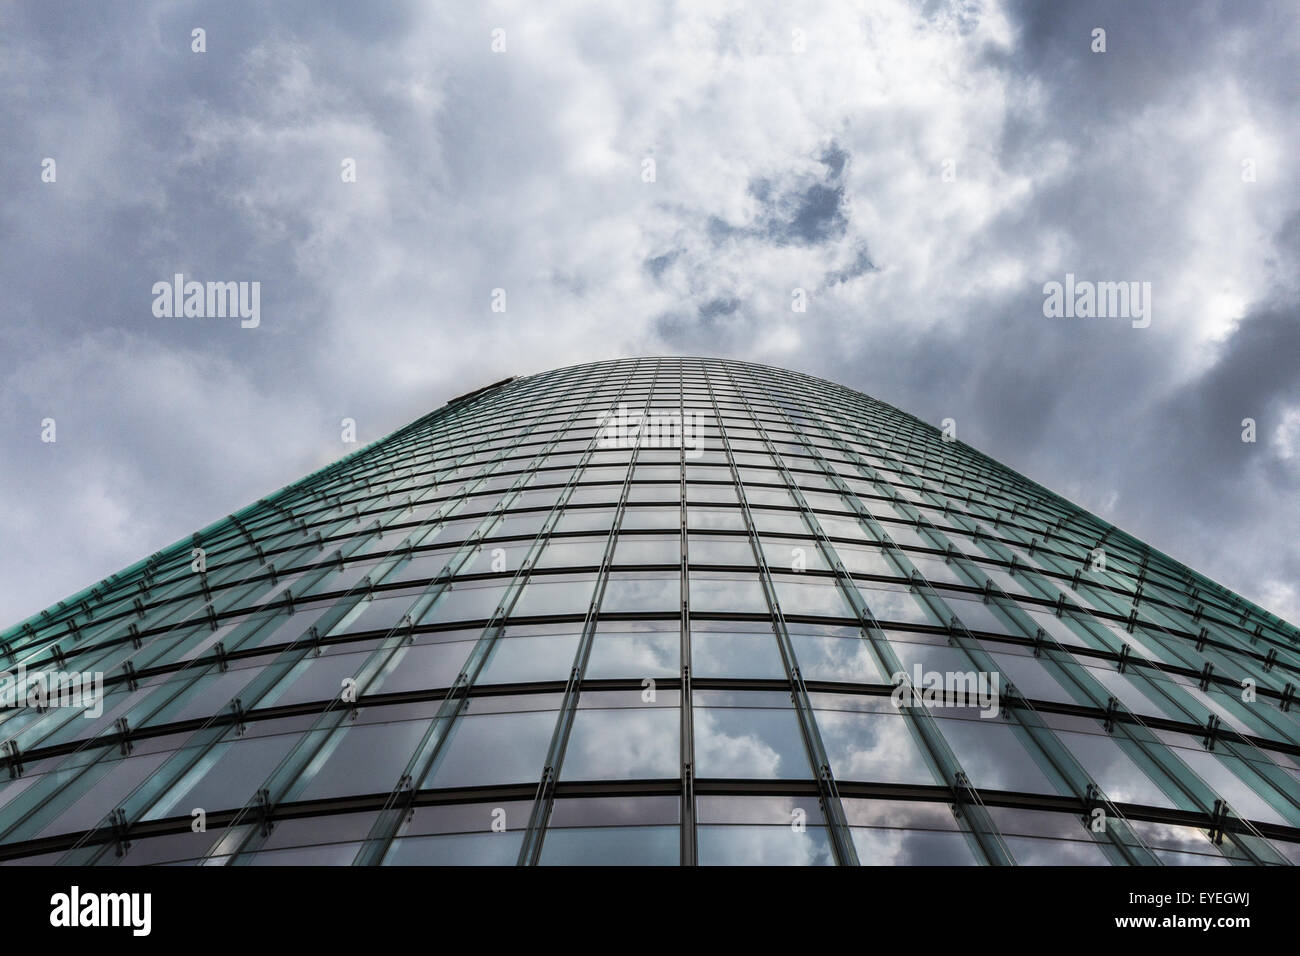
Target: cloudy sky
[[919, 169]]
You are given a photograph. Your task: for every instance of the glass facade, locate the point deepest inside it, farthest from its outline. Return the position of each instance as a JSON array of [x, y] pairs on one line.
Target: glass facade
[[656, 611]]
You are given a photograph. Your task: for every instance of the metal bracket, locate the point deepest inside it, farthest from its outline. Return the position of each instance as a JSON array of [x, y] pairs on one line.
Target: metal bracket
[[1211, 731], [1207, 673], [264, 809], [961, 783], [124, 729], [117, 820], [13, 759], [1112, 712], [1218, 822]]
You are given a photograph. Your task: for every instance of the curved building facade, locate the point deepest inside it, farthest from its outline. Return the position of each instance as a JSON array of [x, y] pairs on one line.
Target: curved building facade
[[659, 611]]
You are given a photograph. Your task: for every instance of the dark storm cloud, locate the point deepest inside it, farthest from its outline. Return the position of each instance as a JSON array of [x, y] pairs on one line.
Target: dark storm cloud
[[716, 307], [797, 209], [659, 264], [1111, 415], [860, 266]]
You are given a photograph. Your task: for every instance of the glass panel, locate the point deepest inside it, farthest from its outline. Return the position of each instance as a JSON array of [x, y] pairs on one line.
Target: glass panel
[[742, 594], [736, 741], [1031, 851], [644, 518], [867, 746], [632, 591], [981, 617], [634, 744], [534, 658], [715, 519], [459, 849], [895, 606], [611, 846], [365, 759], [378, 614], [638, 654], [495, 749], [614, 811], [1113, 770], [569, 553], [993, 757], [794, 555], [739, 845], [735, 654], [427, 666], [330, 854], [226, 777], [778, 522], [648, 549], [937, 571], [811, 598], [713, 549], [465, 603], [839, 655], [877, 847], [545, 595], [496, 559]]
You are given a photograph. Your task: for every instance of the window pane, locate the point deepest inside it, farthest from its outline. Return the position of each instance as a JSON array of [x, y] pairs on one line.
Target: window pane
[[611, 846], [732, 593], [635, 744], [634, 654], [495, 748], [870, 747], [732, 654], [878, 847], [744, 742], [739, 845], [631, 591], [534, 658], [459, 849]]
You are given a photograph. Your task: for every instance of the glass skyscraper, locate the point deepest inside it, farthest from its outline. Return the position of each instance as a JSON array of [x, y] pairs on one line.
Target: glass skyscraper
[[658, 611]]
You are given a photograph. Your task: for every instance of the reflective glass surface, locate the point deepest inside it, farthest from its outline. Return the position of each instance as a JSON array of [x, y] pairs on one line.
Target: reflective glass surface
[[658, 611]]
